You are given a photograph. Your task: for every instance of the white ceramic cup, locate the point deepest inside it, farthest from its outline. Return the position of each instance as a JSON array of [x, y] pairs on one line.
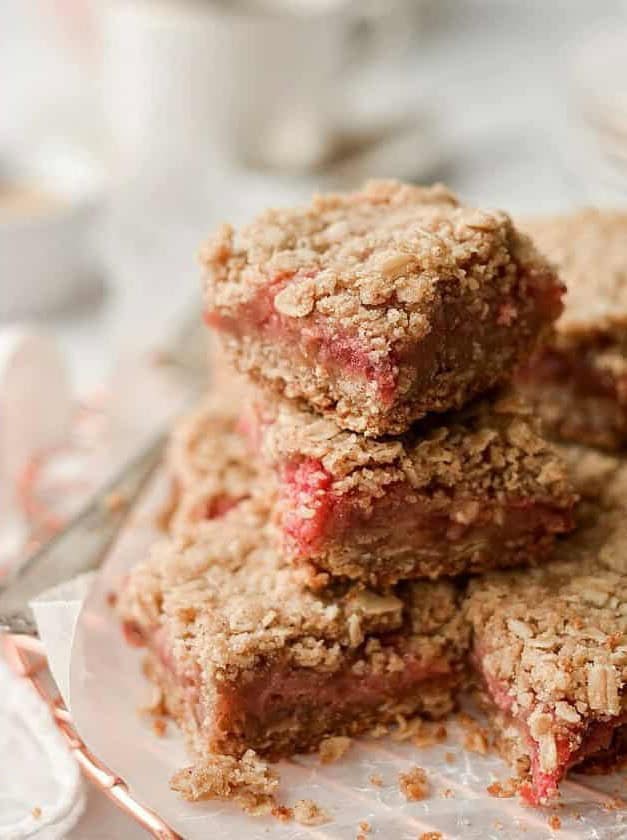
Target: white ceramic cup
[[212, 82], [46, 250]]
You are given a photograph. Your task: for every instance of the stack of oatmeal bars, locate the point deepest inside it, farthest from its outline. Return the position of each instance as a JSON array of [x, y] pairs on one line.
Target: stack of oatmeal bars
[[339, 507]]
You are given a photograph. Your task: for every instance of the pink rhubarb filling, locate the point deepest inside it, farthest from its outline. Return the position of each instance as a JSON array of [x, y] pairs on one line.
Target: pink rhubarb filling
[[314, 514], [337, 350], [574, 743]]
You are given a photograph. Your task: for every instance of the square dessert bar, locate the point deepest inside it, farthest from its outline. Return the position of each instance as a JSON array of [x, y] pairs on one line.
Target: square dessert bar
[[379, 306], [551, 647], [208, 464], [579, 380], [248, 658], [461, 492]]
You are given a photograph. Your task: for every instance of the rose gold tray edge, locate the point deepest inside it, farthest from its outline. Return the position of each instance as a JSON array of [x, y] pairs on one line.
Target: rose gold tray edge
[[26, 657]]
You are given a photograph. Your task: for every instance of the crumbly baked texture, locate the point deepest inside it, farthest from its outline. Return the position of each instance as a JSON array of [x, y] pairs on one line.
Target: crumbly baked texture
[[551, 646], [248, 658], [208, 464], [247, 780], [413, 784], [381, 305], [463, 492], [579, 380]]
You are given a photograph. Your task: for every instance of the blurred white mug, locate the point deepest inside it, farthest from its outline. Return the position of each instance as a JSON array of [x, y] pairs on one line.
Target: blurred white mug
[[190, 83]]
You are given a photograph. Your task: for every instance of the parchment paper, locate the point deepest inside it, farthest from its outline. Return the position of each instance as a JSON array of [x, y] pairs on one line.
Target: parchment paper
[[106, 689]]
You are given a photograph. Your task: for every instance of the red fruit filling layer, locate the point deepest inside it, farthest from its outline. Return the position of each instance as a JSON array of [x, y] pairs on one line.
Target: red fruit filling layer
[[576, 744], [338, 351], [281, 693], [579, 369], [313, 515]]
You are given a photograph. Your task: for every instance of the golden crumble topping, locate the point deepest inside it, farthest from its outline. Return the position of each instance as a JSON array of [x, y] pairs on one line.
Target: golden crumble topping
[[371, 256], [556, 638], [491, 448]]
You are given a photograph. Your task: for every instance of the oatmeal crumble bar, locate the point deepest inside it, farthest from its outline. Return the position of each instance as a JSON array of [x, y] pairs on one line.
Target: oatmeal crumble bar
[[208, 464], [381, 305], [551, 646], [579, 380], [248, 658], [461, 492]]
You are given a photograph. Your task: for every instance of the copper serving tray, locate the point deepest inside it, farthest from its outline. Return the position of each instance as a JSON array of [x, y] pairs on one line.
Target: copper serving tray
[[26, 658]]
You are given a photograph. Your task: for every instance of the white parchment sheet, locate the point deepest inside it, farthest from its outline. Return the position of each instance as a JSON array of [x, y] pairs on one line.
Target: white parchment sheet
[[107, 688]]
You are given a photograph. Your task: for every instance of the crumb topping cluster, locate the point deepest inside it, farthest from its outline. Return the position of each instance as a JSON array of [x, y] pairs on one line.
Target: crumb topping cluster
[[556, 636], [209, 464], [490, 449], [247, 780], [377, 261]]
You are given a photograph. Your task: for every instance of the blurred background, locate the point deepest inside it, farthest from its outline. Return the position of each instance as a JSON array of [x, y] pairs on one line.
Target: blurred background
[[129, 128]]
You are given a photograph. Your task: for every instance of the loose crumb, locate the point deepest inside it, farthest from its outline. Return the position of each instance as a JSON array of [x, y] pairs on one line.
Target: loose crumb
[[448, 794], [376, 780], [476, 742], [378, 731], [248, 781], [155, 707], [431, 835], [112, 599], [476, 736], [554, 822], [332, 749], [365, 826], [282, 813], [36, 812], [308, 812], [504, 790], [414, 785], [159, 727]]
